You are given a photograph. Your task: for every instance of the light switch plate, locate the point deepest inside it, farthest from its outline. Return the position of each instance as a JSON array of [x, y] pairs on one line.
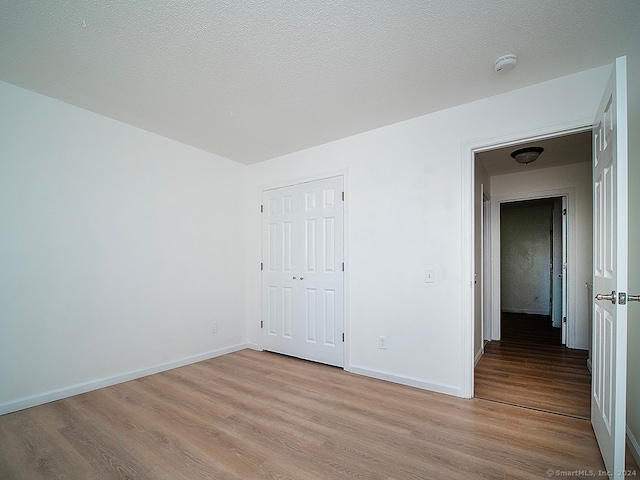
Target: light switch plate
[[429, 276]]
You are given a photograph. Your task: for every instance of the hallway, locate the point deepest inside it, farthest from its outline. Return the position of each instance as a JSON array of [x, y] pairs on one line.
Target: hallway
[[530, 367]]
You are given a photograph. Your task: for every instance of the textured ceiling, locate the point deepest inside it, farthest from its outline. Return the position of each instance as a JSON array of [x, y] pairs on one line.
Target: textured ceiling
[[251, 80]]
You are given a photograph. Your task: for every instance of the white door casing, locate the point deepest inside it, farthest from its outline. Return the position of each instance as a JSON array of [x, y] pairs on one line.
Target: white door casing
[[486, 267], [609, 349], [565, 256], [557, 271], [303, 277]]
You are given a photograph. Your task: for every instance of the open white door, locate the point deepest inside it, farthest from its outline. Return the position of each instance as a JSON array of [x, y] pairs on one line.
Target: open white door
[[608, 393]]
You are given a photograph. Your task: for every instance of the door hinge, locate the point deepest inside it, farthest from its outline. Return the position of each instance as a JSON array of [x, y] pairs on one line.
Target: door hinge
[[343, 196], [564, 211], [343, 266], [343, 336], [564, 319], [261, 323], [261, 208], [261, 266]]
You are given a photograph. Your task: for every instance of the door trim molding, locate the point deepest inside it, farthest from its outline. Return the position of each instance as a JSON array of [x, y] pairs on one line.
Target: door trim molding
[[469, 149], [486, 271]]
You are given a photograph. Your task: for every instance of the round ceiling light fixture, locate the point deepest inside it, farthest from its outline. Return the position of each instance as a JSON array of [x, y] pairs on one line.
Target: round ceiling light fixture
[[527, 155], [505, 62]]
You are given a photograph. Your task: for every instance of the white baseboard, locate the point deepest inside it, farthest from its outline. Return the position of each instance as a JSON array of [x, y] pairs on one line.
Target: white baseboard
[[64, 392], [633, 445], [409, 381], [526, 312]]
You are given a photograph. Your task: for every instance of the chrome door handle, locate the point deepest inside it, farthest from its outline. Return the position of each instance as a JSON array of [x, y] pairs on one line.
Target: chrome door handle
[[611, 297], [628, 298], [623, 298]]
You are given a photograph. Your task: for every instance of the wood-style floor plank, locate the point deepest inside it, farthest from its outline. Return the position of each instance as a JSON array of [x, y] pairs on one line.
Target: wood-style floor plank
[[259, 415], [530, 367]]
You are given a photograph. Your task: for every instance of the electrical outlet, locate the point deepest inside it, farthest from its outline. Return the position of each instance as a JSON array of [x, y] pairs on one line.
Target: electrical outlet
[[382, 343], [214, 327]]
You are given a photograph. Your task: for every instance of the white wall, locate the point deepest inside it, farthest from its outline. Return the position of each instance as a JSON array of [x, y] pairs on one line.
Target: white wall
[[578, 178], [118, 248], [405, 213], [633, 333]]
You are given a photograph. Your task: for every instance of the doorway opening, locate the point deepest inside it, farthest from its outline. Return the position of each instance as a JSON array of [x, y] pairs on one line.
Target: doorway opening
[[533, 261], [537, 259]]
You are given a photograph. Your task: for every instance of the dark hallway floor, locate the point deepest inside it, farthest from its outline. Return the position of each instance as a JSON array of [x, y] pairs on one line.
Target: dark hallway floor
[[530, 367]]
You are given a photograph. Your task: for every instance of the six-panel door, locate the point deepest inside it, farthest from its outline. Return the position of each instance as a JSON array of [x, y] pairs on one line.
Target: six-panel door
[[302, 277], [608, 393]]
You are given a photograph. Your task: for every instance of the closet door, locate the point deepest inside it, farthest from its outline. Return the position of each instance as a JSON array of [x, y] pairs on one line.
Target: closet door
[[279, 268], [302, 277]]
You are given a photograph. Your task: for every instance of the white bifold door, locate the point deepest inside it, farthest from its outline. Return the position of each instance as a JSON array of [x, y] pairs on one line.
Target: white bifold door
[[609, 349], [303, 270]]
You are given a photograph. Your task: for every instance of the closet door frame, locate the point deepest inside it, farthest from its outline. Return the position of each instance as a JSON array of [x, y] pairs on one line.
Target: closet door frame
[[344, 173]]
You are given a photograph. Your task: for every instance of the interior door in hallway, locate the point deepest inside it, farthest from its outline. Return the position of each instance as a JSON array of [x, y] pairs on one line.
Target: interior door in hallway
[[608, 393], [302, 276]]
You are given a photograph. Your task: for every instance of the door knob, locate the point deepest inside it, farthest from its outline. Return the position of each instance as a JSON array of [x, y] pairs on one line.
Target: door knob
[[611, 297], [633, 298]]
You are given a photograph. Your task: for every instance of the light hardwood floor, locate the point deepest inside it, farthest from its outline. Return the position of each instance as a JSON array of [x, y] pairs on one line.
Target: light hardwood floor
[[531, 368], [261, 415]]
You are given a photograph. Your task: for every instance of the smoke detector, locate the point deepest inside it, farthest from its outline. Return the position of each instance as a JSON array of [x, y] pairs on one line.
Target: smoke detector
[[506, 62]]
